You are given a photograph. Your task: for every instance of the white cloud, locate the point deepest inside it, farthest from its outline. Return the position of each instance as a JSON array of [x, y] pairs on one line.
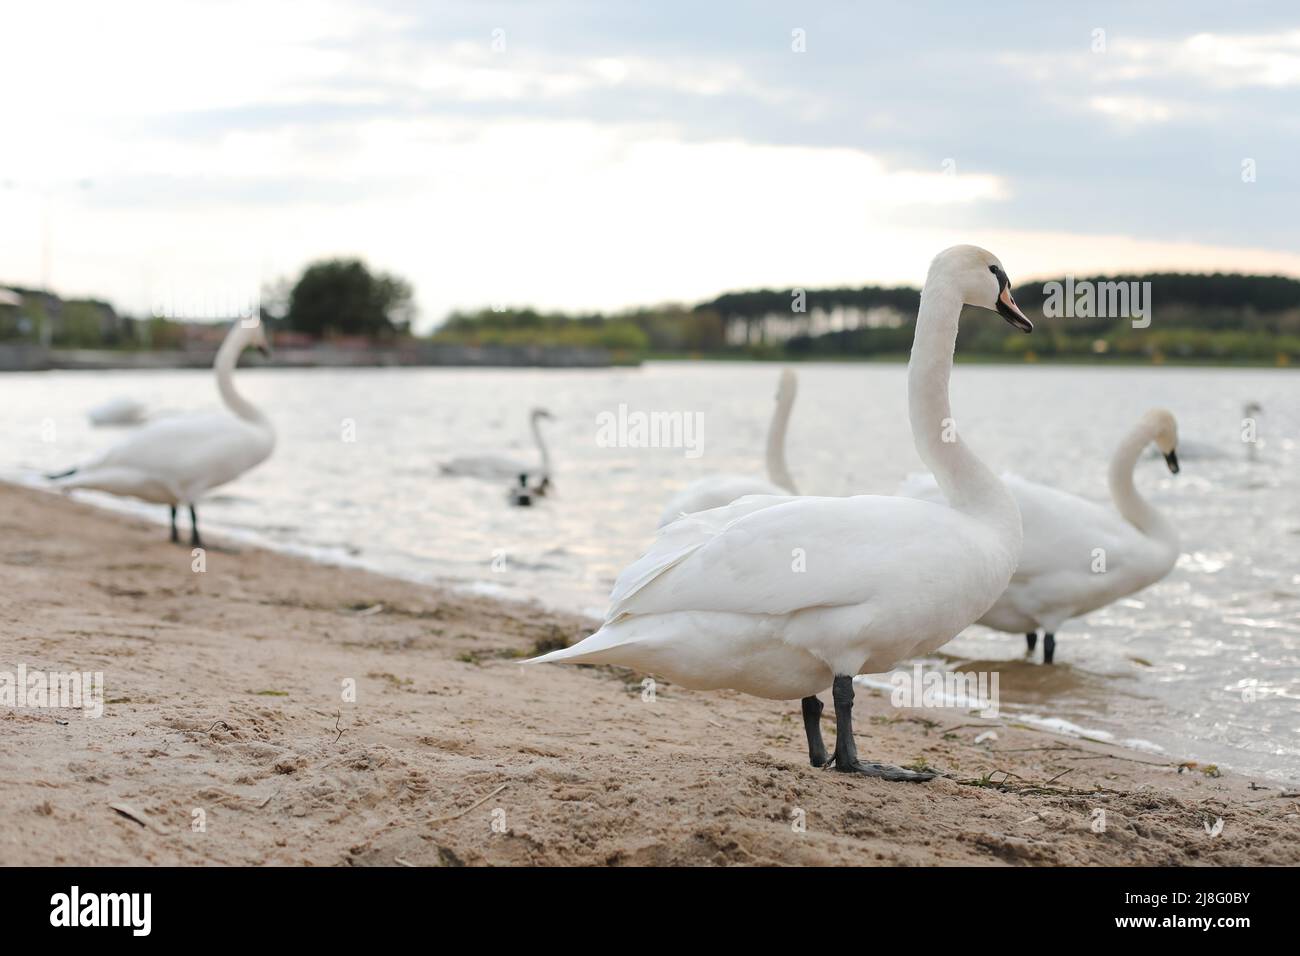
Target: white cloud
[[1137, 110], [1213, 60], [475, 72], [1222, 60], [1044, 253], [559, 214]]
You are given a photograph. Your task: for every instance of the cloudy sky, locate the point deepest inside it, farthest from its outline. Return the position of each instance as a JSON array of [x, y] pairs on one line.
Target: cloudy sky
[[598, 155]]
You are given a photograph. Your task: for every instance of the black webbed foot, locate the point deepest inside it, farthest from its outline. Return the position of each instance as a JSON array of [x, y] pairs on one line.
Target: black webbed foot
[[884, 771]]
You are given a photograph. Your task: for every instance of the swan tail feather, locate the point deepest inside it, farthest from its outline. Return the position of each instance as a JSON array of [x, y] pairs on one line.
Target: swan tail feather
[[590, 650]]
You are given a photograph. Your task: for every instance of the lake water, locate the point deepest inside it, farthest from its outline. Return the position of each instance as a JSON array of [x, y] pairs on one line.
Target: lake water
[[1205, 665]]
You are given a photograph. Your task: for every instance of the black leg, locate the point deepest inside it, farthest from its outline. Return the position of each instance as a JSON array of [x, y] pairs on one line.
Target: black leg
[[1049, 648], [194, 529], [812, 725], [175, 537], [846, 751], [1032, 641]]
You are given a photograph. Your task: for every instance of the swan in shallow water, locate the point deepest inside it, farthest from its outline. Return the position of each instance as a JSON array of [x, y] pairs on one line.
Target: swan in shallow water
[[714, 491], [498, 466], [781, 597], [1079, 555], [1190, 449], [174, 461], [121, 410]]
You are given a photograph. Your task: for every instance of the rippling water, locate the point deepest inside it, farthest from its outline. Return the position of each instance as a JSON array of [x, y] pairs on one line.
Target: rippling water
[[1206, 664]]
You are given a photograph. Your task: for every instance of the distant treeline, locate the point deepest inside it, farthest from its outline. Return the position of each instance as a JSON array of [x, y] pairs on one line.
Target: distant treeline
[[1215, 318], [1219, 317], [332, 299], [628, 335]]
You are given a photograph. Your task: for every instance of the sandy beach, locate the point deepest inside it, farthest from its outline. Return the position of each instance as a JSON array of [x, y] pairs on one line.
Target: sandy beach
[[226, 738]]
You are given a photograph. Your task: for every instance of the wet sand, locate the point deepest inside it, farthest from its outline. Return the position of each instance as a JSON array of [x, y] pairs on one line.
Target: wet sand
[[226, 738]]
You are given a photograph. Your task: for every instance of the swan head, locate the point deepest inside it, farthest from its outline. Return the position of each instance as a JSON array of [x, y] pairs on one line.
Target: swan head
[[1251, 409], [1163, 428], [979, 278], [540, 414]]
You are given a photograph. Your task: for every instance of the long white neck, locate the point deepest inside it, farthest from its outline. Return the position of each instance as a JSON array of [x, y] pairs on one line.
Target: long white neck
[[777, 472], [966, 482], [227, 357], [1124, 493], [541, 447]]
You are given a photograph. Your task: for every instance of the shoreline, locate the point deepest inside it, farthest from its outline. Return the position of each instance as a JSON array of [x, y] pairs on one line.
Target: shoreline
[[416, 354], [224, 705], [541, 357]]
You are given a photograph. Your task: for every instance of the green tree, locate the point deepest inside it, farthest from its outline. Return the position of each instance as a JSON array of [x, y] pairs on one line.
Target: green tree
[[343, 297]]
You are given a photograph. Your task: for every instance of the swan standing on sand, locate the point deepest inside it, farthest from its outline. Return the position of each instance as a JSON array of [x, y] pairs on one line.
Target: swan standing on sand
[[496, 466], [173, 461], [714, 491], [1078, 555], [782, 596]]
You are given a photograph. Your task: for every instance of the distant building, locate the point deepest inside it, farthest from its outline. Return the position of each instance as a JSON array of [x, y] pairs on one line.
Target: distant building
[[777, 327], [84, 323]]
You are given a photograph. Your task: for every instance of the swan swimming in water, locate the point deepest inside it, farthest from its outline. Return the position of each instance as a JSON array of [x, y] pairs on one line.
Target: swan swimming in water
[[1193, 450], [174, 461], [717, 601], [1078, 555], [498, 466], [714, 491], [117, 411]]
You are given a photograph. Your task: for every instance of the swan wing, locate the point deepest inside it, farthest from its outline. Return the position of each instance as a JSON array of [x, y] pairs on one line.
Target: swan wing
[[776, 555], [715, 491], [186, 453], [1078, 555], [677, 541], [1063, 532]]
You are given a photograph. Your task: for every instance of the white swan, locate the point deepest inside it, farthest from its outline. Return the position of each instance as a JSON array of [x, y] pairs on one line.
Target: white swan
[[714, 491], [121, 410], [782, 596], [496, 466], [173, 461], [1078, 555], [1190, 449]]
